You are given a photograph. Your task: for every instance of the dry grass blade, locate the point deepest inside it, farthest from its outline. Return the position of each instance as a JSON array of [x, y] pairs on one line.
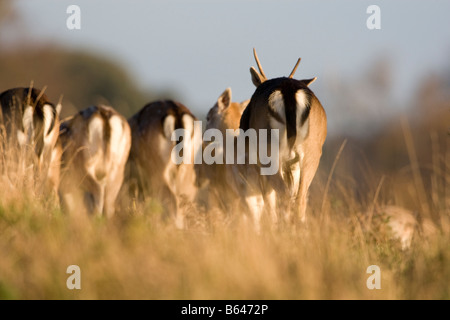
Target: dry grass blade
[[374, 202], [330, 175], [414, 162]]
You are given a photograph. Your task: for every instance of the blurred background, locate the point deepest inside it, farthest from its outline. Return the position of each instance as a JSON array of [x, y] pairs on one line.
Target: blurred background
[[387, 91]]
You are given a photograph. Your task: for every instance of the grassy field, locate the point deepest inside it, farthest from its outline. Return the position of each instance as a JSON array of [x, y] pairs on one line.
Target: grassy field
[[137, 256]]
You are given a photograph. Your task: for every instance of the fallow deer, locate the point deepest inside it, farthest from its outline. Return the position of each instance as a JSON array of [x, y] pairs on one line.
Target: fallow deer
[[291, 107], [95, 147], [225, 115], [150, 162], [234, 185], [31, 122]]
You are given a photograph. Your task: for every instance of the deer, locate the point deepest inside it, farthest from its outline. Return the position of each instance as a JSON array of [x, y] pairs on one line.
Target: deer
[[234, 186], [95, 146], [30, 122], [152, 170], [222, 183], [286, 104]]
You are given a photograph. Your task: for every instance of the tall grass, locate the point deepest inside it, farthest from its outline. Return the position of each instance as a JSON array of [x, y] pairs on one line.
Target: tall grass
[[136, 255]]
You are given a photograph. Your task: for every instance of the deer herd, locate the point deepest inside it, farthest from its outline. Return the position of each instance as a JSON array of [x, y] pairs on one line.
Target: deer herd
[[92, 158]]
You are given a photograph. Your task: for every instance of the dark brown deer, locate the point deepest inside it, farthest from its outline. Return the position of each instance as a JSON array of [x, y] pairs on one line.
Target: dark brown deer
[[30, 121], [151, 164], [291, 107]]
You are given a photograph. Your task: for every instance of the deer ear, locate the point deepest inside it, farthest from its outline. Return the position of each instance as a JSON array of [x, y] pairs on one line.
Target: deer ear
[[224, 100], [309, 81], [169, 126], [257, 78]]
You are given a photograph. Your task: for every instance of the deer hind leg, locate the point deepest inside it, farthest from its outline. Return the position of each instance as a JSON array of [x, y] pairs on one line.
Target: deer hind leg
[[171, 207], [94, 201], [94, 195], [270, 203], [255, 204], [291, 211], [306, 177], [111, 193], [72, 201]]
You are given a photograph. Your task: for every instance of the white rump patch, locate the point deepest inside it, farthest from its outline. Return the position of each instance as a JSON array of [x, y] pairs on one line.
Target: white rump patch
[[118, 139], [28, 126], [169, 126], [302, 101], [188, 123], [96, 156], [48, 118], [50, 137], [188, 144], [276, 103], [96, 130]]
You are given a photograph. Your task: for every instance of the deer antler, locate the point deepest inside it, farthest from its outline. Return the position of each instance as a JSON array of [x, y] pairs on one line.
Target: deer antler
[[295, 68], [259, 64]]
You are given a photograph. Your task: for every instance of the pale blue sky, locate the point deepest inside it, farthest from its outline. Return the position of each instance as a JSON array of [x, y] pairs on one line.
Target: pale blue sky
[[202, 47]]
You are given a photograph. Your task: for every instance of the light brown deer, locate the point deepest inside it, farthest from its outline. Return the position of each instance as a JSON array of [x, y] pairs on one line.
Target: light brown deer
[[224, 191], [95, 146], [234, 186], [29, 121], [291, 107], [151, 166]]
